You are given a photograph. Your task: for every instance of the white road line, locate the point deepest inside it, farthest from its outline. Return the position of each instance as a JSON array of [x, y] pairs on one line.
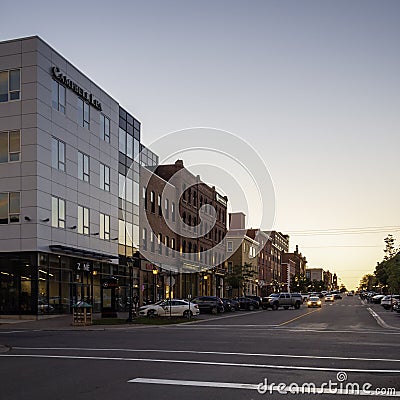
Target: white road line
[[226, 385], [219, 364], [8, 332], [378, 319], [219, 353], [262, 389]]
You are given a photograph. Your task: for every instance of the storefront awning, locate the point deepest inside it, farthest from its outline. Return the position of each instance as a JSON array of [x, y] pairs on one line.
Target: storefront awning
[[81, 252]]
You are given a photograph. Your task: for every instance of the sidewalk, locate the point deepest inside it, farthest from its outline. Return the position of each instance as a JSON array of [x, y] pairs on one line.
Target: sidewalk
[[57, 322], [389, 319]]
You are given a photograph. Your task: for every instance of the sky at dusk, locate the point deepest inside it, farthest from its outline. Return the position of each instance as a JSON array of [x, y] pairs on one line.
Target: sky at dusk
[[312, 86]]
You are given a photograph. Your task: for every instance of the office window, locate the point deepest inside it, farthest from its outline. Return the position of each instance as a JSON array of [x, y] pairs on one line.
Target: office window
[[173, 212], [10, 207], [129, 146], [144, 239], [153, 202], [57, 212], [160, 243], [58, 154], [10, 146], [104, 177], [159, 204], [105, 128], [58, 97], [10, 85], [230, 246], [230, 267], [145, 197], [121, 186], [104, 227], [83, 114], [83, 166], [166, 206], [83, 220]]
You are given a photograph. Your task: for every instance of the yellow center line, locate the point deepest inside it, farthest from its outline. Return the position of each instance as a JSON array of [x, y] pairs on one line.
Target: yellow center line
[[300, 316]]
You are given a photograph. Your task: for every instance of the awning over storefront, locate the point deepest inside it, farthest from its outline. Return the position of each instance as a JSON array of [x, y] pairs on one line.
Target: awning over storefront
[[81, 252]]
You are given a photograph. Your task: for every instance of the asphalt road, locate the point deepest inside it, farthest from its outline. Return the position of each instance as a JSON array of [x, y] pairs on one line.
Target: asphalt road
[[242, 355]]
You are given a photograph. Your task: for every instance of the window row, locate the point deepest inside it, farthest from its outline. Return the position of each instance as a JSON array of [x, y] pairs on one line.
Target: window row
[[168, 209], [190, 196], [10, 207], [58, 219], [83, 115], [10, 85], [10, 146], [157, 243], [58, 162], [128, 189]]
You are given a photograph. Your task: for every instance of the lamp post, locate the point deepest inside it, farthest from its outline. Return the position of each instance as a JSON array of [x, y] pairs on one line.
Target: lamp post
[[155, 272]]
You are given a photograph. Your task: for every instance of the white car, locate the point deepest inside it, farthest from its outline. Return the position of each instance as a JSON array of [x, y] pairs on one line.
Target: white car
[[329, 297], [173, 307], [388, 301]]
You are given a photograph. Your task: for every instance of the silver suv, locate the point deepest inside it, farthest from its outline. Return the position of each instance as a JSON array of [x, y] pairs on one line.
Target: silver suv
[[285, 300]]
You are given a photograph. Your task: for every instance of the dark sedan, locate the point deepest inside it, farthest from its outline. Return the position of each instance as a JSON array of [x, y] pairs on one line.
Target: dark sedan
[[247, 303]]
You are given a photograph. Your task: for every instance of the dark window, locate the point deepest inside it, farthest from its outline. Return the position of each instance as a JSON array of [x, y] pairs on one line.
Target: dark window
[[58, 97]]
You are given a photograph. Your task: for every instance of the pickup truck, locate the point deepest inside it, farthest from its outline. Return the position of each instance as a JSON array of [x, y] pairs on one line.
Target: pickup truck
[[285, 300]]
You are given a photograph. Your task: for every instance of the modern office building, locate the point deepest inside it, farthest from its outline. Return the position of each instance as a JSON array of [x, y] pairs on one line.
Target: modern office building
[[69, 186]]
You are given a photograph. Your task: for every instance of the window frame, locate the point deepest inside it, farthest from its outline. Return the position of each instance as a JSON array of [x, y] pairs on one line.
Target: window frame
[[103, 128], [85, 220], [58, 220], [105, 177], [105, 221], [9, 91], [83, 161], [8, 150], [61, 165]]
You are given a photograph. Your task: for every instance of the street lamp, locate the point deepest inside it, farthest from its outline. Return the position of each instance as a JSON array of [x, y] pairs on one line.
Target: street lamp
[[155, 272]]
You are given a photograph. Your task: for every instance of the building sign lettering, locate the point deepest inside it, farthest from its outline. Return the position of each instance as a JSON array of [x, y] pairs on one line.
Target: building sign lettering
[[83, 94]]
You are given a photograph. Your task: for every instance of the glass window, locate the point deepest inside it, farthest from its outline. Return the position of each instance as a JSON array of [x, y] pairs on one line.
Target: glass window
[[230, 246], [144, 239], [83, 166], [83, 220], [104, 177], [105, 128], [104, 227], [122, 141], [166, 208], [57, 212], [129, 146], [173, 212], [153, 202], [135, 193], [83, 114], [3, 208], [10, 146], [121, 232], [10, 85], [129, 187], [14, 206], [121, 186], [58, 97], [58, 154], [159, 205]]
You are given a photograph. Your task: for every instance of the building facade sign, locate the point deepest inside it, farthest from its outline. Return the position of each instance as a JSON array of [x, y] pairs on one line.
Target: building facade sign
[[83, 94]]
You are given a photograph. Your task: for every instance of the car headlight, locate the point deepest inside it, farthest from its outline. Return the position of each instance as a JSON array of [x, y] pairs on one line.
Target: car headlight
[[309, 303], [319, 302]]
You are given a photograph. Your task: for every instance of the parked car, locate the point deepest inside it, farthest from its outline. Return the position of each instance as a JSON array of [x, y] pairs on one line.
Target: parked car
[[44, 307], [285, 300], [230, 305], [329, 297], [173, 307], [387, 302], [247, 303], [209, 304], [314, 301], [377, 298], [258, 299]]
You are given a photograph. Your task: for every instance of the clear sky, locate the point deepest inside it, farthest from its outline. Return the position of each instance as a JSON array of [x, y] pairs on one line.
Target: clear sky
[[314, 86]]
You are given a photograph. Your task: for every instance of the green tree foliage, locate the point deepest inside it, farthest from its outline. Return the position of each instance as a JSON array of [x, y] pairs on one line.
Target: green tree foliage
[[300, 283], [387, 272], [367, 282], [239, 276]]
